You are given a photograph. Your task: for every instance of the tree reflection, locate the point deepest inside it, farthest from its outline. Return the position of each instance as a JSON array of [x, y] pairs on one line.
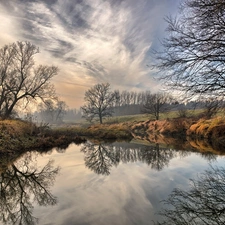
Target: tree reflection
[[101, 157], [203, 203], [22, 184], [157, 157]]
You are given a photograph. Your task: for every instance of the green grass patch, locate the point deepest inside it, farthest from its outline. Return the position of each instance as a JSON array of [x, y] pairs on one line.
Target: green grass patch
[[145, 117]]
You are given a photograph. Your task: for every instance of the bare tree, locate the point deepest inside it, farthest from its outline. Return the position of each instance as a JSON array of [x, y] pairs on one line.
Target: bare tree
[[52, 111], [99, 101], [156, 103], [20, 80], [202, 204], [193, 55], [117, 102], [212, 106]]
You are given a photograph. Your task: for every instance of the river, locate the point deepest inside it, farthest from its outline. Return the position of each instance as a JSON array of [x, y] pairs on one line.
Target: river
[[97, 183]]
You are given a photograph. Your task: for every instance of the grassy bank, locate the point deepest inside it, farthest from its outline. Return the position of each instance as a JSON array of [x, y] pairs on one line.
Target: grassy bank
[[101, 131], [200, 133], [18, 135], [212, 129], [176, 127]]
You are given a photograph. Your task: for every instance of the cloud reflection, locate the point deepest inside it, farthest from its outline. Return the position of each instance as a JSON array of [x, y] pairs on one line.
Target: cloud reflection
[[131, 194]]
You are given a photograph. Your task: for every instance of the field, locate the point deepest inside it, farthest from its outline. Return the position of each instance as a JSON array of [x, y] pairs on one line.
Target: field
[[136, 118]]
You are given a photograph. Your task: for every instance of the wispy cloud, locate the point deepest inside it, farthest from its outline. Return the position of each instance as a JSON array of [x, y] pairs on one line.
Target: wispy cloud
[[90, 41]]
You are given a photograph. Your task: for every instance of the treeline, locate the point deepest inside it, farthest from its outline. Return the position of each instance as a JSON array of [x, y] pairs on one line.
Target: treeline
[[129, 102], [57, 115], [101, 102], [132, 103], [130, 97], [125, 103]]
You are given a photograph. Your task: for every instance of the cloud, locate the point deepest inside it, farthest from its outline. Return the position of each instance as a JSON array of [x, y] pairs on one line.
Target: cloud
[[91, 41]]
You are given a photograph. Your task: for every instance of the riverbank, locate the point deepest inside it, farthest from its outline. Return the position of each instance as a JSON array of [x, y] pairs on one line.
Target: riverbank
[[182, 127], [18, 135], [207, 135], [109, 132]]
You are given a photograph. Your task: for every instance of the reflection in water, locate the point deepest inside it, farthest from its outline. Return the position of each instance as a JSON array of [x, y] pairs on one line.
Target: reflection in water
[[204, 203], [22, 184], [85, 197], [101, 157]]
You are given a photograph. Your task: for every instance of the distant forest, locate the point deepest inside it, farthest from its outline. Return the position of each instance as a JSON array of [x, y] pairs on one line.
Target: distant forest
[[126, 103]]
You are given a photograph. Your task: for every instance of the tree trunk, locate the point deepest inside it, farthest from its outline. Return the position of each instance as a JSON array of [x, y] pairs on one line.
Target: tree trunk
[[100, 118], [8, 110]]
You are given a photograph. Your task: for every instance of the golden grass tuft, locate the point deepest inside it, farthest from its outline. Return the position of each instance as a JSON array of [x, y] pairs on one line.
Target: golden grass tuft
[[15, 128], [211, 128]]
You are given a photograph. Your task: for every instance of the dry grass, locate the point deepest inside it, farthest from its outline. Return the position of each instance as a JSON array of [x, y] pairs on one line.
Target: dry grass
[[212, 128], [19, 136], [104, 131], [15, 128], [169, 127]]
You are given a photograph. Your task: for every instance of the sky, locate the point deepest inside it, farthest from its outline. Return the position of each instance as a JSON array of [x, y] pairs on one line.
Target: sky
[[90, 41]]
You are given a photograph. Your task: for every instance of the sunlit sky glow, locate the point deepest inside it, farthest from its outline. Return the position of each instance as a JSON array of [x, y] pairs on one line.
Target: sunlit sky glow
[[91, 41]]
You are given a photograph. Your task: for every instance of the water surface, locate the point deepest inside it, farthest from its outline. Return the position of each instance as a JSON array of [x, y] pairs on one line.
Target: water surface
[[118, 183]]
